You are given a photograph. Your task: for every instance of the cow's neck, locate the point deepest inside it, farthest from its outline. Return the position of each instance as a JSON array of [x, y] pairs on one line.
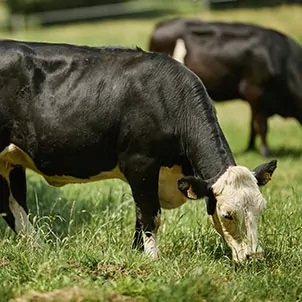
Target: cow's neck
[[207, 149], [211, 163]]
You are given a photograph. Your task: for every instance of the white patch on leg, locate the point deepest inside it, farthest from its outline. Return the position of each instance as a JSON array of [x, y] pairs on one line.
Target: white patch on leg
[[22, 223], [180, 51], [150, 246], [150, 241]]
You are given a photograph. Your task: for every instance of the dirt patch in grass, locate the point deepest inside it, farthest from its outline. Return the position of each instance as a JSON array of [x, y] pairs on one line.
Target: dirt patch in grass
[[4, 263], [73, 294]]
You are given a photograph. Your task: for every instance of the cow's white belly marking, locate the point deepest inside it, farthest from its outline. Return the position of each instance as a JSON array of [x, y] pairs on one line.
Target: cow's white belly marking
[[13, 155], [169, 195]]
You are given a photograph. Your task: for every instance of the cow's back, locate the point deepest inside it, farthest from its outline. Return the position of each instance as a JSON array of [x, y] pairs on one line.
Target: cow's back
[[83, 105], [52, 94], [221, 54]]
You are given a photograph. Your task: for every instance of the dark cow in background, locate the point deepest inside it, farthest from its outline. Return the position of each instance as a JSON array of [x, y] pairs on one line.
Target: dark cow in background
[[166, 33], [79, 114], [237, 60]]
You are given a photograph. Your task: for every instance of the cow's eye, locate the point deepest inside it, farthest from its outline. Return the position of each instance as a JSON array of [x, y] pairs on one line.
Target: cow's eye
[[227, 215]]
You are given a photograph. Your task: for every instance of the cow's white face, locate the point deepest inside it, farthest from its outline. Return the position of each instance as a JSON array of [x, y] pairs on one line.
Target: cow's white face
[[238, 206], [234, 203]]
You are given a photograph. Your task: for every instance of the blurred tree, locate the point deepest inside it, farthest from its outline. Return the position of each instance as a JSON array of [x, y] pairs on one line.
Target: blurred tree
[[35, 6], [225, 4]]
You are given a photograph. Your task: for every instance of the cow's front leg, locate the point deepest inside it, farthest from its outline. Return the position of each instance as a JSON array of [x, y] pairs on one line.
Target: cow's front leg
[[142, 175], [145, 235], [13, 206], [138, 242]]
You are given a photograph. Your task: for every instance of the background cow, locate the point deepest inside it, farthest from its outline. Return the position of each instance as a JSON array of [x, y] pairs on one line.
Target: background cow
[[78, 114], [237, 60]]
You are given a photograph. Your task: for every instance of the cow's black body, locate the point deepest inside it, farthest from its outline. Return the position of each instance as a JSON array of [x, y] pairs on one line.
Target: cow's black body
[[79, 111], [236, 60]]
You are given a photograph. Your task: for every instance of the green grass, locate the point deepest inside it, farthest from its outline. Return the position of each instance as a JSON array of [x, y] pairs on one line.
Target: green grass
[[87, 229]]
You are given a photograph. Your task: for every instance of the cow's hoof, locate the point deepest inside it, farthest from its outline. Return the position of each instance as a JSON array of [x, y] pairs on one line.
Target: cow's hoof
[[153, 254], [150, 247], [250, 148], [265, 152]]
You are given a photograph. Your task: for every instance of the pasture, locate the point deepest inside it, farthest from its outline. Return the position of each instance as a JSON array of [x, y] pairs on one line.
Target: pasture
[[87, 229]]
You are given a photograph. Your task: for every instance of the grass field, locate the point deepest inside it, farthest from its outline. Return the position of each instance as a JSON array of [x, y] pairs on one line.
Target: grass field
[[88, 229]]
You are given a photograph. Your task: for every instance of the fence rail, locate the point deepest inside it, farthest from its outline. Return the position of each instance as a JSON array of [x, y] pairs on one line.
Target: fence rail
[[134, 7], [84, 13]]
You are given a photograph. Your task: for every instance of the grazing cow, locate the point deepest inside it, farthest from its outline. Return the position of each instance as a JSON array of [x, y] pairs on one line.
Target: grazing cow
[[79, 114], [236, 60]]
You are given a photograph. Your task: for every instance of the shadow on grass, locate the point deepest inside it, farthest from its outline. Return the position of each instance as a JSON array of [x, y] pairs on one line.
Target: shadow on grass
[[220, 248], [287, 152], [74, 207], [282, 152]]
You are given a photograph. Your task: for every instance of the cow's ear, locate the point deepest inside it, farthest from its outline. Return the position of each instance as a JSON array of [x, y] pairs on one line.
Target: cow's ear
[[193, 187], [264, 172]]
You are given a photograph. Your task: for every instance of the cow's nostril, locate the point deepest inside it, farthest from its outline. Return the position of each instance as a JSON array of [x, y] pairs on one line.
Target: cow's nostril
[[248, 257]]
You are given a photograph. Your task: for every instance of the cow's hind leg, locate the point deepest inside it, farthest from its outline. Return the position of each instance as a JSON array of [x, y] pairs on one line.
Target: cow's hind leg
[[13, 206], [261, 127], [5, 211], [251, 144], [142, 175], [253, 93]]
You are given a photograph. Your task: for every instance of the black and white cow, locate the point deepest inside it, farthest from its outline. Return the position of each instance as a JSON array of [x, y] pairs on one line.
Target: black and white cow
[[77, 114], [239, 61]]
